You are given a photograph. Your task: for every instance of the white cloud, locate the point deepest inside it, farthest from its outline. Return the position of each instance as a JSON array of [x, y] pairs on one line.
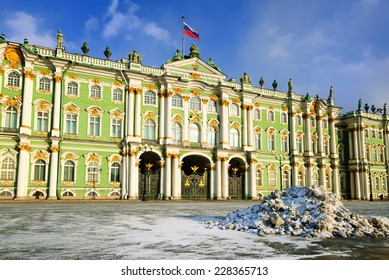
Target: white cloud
[[128, 22], [22, 25], [91, 24]]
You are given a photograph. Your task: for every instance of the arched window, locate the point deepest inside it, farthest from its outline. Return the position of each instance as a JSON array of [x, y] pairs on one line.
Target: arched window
[[13, 79], [366, 133], [212, 106], [69, 169], [42, 121], [117, 94], [284, 143], [257, 114], [93, 172], [313, 121], [177, 101], [258, 177], [211, 135], [71, 123], [194, 133], [325, 123], [270, 116], [271, 143], [11, 117], [150, 97], [40, 170], [195, 103], [149, 130], [328, 180], [272, 178], [258, 140], [377, 183], [95, 92], [298, 120], [114, 174], [284, 117], [94, 125], [44, 84], [73, 88], [285, 179], [300, 179], [299, 144], [7, 171], [315, 178], [116, 127], [234, 109], [234, 137], [176, 133]]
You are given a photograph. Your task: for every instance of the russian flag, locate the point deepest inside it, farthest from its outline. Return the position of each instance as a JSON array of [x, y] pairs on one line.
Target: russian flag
[[191, 32]]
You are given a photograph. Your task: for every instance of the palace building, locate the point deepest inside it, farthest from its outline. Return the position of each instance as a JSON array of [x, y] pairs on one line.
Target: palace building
[[78, 127]]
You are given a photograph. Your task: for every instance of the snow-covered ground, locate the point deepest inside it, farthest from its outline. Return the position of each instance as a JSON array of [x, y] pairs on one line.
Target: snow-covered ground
[[161, 230]]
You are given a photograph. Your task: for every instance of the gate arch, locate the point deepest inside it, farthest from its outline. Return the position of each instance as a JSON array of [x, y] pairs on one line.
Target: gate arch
[[149, 176], [195, 177], [236, 178]]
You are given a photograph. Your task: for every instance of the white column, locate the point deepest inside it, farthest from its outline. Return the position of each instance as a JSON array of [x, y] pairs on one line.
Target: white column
[[135, 181], [123, 172], [162, 180], [218, 178], [23, 167], [319, 125], [322, 174], [185, 138], [224, 125], [357, 185], [292, 132], [250, 128], [162, 119], [212, 181], [224, 175], [295, 175], [133, 176], [57, 106], [307, 133], [352, 183], [138, 119], [130, 112], [53, 171], [335, 180], [333, 136], [25, 127], [168, 176], [244, 128], [253, 186], [168, 115], [204, 125], [175, 175]]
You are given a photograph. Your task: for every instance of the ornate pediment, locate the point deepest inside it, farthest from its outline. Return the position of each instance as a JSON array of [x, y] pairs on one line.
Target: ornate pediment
[[194, 67]]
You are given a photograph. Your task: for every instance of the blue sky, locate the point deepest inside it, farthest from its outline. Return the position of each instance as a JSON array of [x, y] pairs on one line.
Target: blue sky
[[318, 44]]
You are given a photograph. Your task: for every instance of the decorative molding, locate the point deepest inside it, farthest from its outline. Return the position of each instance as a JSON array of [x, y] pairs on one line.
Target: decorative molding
[[72, 76], [58, 79], [96, 81], [213, 97], [195, 76], [29, 74], [24, 147], [196, 92], [14, 56]]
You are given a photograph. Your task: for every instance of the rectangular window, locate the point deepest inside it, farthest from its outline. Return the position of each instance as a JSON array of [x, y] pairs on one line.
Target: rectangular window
[[94, 126], [116, 128], [71, 124], [42, 122]]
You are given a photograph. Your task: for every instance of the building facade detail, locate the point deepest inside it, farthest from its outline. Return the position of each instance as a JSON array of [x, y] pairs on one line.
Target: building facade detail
[[78, 127]]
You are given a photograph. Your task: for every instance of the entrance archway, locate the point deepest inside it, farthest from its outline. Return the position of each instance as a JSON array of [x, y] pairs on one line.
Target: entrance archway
[[236, 178], [194, 177], [149, 176]]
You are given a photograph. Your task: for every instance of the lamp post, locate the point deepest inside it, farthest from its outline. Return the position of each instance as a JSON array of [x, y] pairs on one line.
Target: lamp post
[[280, 158], [146, 171]]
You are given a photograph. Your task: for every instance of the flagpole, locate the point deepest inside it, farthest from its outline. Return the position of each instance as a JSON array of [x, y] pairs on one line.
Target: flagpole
[[182, 34]]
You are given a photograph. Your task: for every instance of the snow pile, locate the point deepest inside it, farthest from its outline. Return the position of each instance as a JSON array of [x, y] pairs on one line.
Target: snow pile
[[302, 211]]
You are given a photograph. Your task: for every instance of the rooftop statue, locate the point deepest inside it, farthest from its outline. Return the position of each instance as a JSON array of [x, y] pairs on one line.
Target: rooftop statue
[[359, 104], [245, 79], [384, 112], [176, 57], [367, 108], [2, 38], [59, 39], [194, 51], [290, 86], [84, 48], [213, 65], [135, 57]]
